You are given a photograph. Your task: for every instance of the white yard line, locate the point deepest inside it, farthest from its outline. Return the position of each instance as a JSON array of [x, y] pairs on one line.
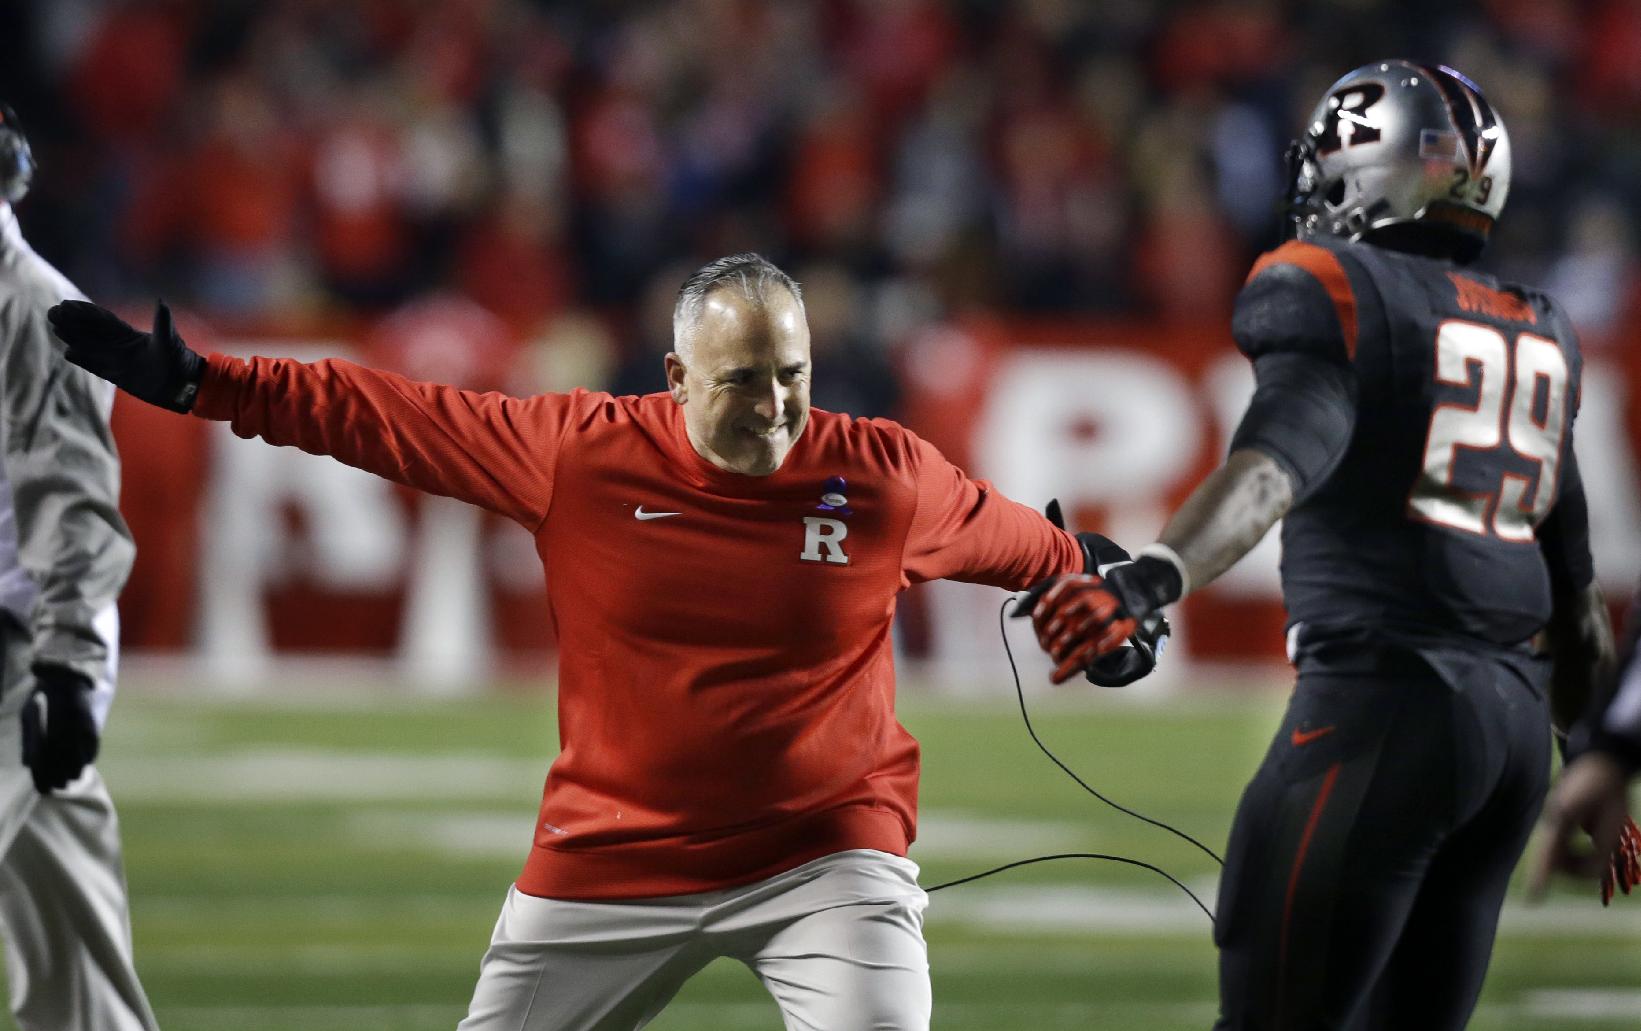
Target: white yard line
[[1586, 1004], [465, 835], [1054, 911], [1594, 1008], [295, 775], [950, 833], [1075, 911], [234, 959], [941, 834], [310, 1018], [320, 910]]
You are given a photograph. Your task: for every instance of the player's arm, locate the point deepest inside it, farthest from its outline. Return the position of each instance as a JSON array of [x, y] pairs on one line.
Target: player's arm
[[63, 471], [1580, 630], [486, 449], [1295, 320]]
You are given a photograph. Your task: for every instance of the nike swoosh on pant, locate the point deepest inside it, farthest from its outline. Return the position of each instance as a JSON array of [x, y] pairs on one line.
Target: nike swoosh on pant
[[1305, 737]]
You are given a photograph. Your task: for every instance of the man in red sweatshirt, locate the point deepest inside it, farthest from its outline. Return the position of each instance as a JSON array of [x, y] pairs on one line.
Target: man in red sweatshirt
[[723, 566]]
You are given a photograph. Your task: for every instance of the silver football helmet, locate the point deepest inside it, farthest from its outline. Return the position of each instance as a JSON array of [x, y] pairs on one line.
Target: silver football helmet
[[1402, 150], [16, 160]]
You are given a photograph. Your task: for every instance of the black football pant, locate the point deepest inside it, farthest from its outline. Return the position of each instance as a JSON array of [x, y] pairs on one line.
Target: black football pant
[[1370, 853]]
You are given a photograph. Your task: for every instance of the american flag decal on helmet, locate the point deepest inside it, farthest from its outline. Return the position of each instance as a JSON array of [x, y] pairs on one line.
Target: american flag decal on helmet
[[1471, 114]]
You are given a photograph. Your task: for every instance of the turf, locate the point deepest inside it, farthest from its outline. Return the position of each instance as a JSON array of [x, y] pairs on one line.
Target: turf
[[337, 862]]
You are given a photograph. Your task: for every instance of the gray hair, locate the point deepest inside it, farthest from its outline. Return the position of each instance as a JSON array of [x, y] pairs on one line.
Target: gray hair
[[753, 273]]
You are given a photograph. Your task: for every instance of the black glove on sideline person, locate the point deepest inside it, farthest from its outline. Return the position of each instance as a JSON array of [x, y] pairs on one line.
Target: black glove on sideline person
[[155, 367], [59, 730]]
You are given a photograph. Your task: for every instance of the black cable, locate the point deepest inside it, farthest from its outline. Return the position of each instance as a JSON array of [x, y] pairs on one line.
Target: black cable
[[1020, 693], [1080, 855]]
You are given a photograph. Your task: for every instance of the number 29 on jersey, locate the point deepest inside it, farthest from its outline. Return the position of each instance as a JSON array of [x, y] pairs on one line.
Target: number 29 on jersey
[[1521, 407]]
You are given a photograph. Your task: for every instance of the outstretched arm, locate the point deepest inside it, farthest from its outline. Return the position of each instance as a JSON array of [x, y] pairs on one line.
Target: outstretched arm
[[963, 529], [486, 449]]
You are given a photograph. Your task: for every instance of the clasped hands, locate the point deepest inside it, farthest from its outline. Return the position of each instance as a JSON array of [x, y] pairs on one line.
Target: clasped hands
[[1105, 623]]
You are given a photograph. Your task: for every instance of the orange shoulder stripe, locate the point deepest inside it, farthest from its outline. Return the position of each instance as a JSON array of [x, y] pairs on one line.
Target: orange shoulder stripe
[[1324, 266]]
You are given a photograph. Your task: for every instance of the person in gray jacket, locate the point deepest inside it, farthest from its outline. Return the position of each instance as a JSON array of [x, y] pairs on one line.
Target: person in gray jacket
[[64, 555]]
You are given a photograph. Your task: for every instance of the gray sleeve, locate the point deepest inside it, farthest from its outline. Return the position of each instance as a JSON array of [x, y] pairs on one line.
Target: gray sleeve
[[1615, 725], [64, 474], [1620, 727]]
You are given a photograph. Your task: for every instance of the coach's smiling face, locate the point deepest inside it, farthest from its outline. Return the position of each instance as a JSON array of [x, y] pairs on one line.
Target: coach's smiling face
[[742, 375]]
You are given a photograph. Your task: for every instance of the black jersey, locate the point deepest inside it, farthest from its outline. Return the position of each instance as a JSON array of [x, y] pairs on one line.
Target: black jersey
[[1465, 391]]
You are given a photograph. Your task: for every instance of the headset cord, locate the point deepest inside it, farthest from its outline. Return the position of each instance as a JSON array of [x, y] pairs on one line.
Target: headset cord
[[1080, 855], [1020, 693]]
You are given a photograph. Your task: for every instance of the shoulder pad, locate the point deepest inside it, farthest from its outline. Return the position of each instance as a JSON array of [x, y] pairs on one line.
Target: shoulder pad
[[1297, 298]]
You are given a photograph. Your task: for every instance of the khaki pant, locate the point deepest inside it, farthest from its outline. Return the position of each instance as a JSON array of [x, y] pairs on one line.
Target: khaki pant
[[838, 942], [62, 889]]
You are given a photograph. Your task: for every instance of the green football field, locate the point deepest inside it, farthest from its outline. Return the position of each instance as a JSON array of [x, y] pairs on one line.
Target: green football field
[[335, 863]]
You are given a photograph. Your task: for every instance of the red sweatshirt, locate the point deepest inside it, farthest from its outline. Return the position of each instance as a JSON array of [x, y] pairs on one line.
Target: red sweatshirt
[[726, 680]]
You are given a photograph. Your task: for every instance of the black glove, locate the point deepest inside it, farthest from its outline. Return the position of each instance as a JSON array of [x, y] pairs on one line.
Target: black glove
[[1110, 561], [156, 367], [1126, 665], [59, 731], [1142, 591], [1144, 585]]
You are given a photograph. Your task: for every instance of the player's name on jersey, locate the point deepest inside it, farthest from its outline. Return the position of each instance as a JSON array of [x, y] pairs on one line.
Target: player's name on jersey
[[1481, 299]]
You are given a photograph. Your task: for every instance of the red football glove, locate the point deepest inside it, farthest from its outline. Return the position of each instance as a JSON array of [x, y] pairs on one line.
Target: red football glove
[[1077, 621], [1624, 866]]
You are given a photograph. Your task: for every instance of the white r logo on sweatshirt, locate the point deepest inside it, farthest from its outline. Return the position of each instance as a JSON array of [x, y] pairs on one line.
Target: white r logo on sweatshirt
[[824, 535]]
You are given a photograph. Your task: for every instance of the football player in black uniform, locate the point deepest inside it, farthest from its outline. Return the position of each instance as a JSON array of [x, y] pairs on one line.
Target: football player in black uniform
[[1413, 421]]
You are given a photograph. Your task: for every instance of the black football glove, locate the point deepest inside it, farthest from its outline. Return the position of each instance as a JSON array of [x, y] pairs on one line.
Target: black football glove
[[59, 730], [155, 367], [1111, 654], [1137, 659]]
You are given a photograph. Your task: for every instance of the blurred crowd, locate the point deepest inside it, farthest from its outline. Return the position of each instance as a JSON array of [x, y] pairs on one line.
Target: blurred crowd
[[541, 175]]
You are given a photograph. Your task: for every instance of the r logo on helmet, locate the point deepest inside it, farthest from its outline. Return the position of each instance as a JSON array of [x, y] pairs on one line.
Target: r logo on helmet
[[1347, 122]]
